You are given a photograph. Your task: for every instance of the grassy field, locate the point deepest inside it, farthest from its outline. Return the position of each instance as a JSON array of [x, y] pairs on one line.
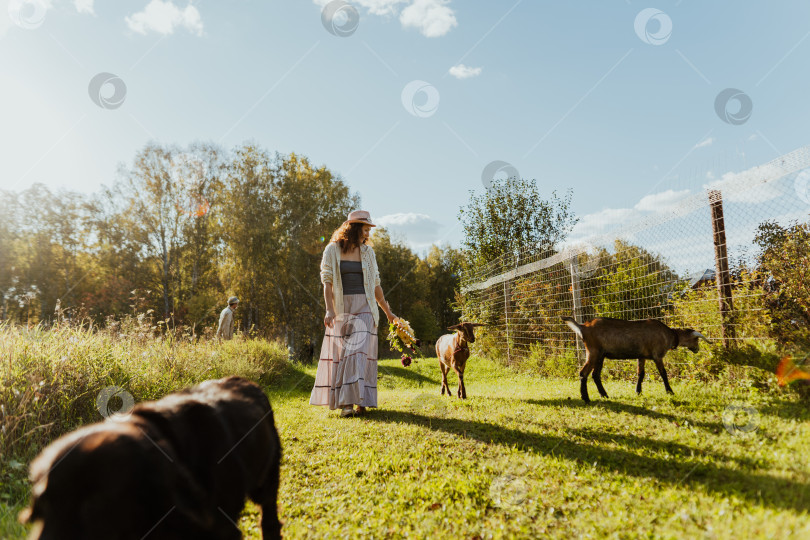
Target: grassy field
[[523, 457]]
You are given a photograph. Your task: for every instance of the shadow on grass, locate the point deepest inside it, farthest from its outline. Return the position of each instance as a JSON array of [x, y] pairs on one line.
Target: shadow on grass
[[681, 451], [406, 374], [293, 380], [618, 406], [755, 487]]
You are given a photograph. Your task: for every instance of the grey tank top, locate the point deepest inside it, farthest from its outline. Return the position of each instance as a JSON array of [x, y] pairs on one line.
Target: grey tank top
[[351, 277]]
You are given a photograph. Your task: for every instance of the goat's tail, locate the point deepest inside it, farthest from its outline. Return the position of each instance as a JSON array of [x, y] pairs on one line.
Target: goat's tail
[[573, 325]]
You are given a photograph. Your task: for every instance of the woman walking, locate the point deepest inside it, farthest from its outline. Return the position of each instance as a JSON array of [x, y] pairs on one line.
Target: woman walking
[[347, 366]]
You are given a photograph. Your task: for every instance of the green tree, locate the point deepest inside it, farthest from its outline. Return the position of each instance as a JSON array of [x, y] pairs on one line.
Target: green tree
[[312, 202], [444, 266], [154, 198], [633, 285], [510, 216], [784, 264], [249, 223]]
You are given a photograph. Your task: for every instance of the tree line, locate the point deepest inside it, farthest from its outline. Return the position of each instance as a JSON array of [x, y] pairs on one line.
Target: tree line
[[181, 229]]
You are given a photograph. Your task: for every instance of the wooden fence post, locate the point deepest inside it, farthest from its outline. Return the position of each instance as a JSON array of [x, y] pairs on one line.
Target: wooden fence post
[[722, 276]]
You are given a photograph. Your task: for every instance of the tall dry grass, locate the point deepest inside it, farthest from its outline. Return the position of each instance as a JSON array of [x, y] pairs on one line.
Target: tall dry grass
[[51, 378]]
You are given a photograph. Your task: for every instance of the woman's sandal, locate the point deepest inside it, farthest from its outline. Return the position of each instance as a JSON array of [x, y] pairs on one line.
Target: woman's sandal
[[347, 411]]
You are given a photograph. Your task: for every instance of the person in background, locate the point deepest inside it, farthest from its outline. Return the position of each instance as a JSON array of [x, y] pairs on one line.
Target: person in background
[[225, 330]]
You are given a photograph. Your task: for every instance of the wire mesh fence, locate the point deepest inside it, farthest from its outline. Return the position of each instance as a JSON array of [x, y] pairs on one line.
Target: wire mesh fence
[[689, 262]]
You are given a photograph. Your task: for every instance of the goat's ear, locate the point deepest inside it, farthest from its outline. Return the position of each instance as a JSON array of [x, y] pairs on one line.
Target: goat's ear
[[477, 324], [454, 327]]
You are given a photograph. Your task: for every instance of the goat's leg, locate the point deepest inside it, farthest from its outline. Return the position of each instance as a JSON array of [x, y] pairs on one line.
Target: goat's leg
[[583, 377], [659, 363], [460, 393], [597, 376], [641, 362], [445, 369]]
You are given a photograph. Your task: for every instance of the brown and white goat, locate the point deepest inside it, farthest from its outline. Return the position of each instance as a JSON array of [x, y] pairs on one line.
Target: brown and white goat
[[615, 338], [453, 351]]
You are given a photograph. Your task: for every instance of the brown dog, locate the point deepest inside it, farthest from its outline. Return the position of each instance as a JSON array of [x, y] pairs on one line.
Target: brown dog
[[453, 351], [179, 467]]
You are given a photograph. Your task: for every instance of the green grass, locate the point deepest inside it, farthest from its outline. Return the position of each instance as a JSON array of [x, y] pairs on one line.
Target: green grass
[[523, 457]]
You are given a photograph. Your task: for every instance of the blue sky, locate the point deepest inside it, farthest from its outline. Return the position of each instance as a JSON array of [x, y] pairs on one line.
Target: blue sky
[[573, 94]]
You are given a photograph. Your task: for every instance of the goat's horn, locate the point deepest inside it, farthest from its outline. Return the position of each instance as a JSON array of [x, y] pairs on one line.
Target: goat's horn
[[700, 336]]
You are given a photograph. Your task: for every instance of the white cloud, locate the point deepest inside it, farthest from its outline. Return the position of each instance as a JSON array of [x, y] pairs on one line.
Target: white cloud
[[375, 7], [163, 17], [464, 72], [600, 222], [705, 142], [749, 186], [603, 221], [419, 230], [84, 6], [661, 202], [433, 18]]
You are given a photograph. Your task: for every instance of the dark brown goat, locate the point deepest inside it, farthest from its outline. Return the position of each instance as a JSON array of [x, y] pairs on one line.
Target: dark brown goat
[[614, 338], [453, 352]]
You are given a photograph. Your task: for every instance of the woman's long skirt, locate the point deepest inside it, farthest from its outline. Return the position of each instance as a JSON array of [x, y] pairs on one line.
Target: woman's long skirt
[[347, 367]]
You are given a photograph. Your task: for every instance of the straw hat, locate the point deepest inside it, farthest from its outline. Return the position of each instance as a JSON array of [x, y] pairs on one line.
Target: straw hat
[[360, 216]]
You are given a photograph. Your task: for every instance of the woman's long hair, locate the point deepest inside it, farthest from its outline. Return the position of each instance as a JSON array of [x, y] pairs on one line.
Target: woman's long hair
[[348, 235]]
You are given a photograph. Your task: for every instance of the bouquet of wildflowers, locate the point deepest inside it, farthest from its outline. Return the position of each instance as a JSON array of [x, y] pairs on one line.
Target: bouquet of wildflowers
[[402, 338]]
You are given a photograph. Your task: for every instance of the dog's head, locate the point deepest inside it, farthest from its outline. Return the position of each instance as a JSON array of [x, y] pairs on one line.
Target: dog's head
[[92, 484], [466, 329], [690, 338]]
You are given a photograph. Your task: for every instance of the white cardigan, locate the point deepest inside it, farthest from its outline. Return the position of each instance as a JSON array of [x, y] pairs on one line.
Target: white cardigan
[[330, 273]]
